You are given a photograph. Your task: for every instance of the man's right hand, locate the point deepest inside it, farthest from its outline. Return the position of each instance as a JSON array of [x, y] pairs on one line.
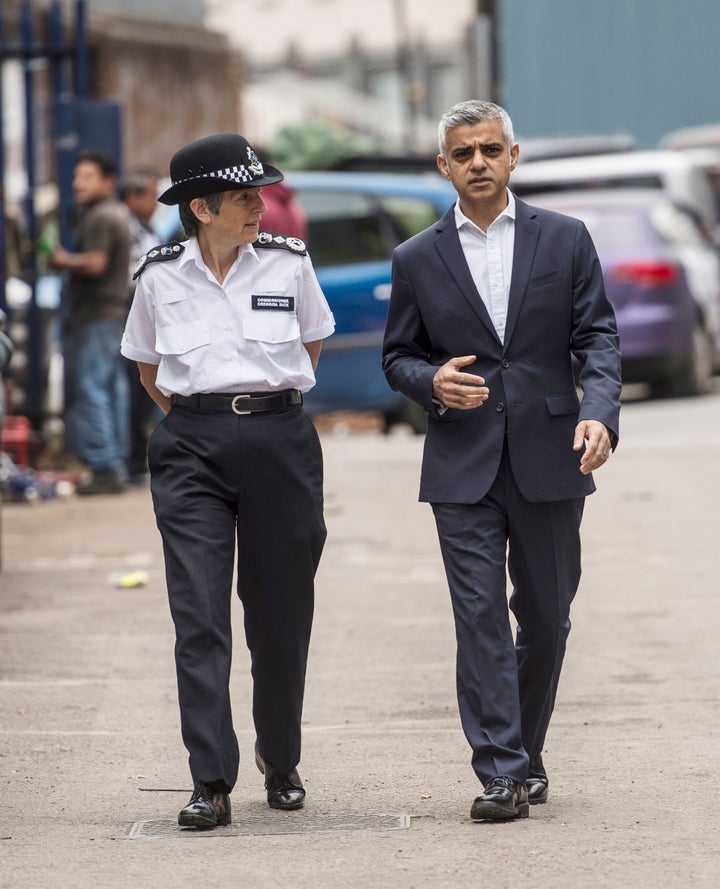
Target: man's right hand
[[455, 389]]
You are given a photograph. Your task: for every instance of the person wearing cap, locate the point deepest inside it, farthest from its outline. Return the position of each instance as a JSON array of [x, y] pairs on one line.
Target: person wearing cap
[[227, 328]]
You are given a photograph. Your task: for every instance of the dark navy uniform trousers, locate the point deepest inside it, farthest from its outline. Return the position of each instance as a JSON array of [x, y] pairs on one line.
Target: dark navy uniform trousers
[[221, 484], [506, 689]]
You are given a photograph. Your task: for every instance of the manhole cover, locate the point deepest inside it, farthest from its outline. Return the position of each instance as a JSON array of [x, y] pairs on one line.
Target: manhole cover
[[260, 825]]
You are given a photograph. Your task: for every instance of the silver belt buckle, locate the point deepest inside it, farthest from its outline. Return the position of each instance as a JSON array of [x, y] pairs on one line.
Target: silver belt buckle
[[235, 409]]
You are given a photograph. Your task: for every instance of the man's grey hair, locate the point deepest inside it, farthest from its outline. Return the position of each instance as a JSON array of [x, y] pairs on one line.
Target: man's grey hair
[[137, 182], [470, 112], [189, 221]]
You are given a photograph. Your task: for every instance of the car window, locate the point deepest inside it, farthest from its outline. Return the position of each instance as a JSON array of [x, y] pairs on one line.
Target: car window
[[612, 229], [345, 227], [677, 226], [410, 215], [639, 180]]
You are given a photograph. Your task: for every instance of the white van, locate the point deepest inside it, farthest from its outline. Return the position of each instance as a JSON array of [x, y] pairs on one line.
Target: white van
[[681, 177]]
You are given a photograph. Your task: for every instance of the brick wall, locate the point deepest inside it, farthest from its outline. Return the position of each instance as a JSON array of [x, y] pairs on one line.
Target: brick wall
[[175, 84]]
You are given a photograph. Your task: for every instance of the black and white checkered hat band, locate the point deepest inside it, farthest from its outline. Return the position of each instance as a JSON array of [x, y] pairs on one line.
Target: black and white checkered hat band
[[238, 173]]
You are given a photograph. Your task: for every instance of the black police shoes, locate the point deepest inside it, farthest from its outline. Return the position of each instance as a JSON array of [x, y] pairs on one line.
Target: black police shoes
[[207, 808], [503, 799], [284, 791], [537, 781]]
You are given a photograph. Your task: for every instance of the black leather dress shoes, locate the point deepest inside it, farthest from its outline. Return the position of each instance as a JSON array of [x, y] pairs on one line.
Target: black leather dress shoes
[[284, 791], [207, 808], [537, 782], [503, 799]]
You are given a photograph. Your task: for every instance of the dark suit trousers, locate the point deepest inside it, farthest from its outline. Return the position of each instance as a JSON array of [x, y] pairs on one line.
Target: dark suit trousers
[[222, 483], [506, 690]]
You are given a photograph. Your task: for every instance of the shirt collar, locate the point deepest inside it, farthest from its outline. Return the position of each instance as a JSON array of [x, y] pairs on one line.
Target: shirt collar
[[192, 254], [461, 219]]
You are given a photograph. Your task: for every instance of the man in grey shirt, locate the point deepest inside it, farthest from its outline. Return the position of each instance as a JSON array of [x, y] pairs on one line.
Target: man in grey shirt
[[95, 306]]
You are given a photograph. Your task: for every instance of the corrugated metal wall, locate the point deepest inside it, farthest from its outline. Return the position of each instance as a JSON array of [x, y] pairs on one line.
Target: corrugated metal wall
[[642, 67]]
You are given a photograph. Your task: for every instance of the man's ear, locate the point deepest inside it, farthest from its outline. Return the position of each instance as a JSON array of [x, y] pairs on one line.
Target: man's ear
[[443, 166], [514, 155], [200, 209]]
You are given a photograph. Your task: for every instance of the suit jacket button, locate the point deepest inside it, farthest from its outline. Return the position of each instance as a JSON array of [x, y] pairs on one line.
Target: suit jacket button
[[505, 362], [500, 406]]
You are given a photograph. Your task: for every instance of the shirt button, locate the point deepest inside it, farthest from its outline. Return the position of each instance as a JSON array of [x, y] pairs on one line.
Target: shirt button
[[500, 406]]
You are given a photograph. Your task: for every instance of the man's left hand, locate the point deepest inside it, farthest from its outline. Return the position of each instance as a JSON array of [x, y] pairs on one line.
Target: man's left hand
[[595, 437]]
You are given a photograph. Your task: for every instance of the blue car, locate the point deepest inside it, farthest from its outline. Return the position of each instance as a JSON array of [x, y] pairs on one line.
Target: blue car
[[355, 221]]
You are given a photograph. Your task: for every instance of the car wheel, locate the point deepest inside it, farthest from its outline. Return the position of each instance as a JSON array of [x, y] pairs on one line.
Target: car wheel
[[408, 413], [697, 370]]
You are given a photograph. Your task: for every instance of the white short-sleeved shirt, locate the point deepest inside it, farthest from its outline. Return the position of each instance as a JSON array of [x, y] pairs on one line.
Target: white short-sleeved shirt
[[244, 335]]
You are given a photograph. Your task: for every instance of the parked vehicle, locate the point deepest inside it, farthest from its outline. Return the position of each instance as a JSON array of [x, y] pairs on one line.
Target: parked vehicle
[[702, 145], [682, 178], [662, 275], [355, 221], [704, 136]]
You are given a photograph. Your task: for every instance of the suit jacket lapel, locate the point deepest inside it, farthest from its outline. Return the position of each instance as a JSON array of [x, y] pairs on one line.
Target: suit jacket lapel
[[527, 233], [448, 246]]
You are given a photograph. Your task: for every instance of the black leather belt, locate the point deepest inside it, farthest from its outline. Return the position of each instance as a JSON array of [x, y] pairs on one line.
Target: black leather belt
[[241, 403]]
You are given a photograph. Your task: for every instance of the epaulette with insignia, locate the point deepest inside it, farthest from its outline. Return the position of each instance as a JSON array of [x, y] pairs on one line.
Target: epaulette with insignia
[[161, 253], [270, 239]]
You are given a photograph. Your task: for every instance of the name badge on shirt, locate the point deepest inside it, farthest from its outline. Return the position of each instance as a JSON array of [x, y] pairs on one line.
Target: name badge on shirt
[[267, 303]]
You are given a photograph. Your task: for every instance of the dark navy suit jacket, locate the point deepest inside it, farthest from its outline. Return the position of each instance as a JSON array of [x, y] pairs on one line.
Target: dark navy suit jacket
[[557, 309]]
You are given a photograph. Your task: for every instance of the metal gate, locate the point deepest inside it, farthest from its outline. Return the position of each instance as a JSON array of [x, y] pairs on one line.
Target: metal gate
[[52, 50]]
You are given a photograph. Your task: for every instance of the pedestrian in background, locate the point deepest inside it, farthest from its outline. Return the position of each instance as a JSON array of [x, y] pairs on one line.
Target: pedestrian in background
[[284, 214], [94, 311], [488, 309], [139, 191], [227, 329]]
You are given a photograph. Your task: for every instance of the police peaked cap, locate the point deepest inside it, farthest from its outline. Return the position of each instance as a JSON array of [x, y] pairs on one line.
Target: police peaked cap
[[223, 162]]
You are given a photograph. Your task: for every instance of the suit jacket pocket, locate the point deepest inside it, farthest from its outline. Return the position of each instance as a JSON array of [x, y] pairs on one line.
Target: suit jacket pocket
[[546, 278], [451, 415], [558, 405]]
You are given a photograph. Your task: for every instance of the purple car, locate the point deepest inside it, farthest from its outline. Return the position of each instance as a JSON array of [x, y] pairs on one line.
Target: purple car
[[662, 275]]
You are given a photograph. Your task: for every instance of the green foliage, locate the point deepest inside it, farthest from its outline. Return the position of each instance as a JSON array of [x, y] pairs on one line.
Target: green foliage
[[316, 146]]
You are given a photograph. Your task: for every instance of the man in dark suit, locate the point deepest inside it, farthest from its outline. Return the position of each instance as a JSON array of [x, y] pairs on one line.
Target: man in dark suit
[[488, 309]]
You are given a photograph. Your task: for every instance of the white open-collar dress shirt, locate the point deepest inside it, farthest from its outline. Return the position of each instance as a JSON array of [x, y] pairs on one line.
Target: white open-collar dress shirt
[[489, 256]]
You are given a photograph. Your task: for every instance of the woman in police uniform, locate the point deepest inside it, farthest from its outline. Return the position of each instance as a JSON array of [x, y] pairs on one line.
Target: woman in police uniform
[[226, 328]]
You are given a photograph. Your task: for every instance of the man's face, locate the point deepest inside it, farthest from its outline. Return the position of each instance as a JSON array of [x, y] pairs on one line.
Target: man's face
[[478, 162], [143, 203], [238, 218], [90, 184]]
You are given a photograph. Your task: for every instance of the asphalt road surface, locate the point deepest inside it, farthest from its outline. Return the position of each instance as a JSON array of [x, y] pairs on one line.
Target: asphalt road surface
[[94, 772]]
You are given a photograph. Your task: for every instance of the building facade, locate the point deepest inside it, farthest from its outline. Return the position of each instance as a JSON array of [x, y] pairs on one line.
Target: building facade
[[384, 69], [174, 79], [642, 67], [388, 68]]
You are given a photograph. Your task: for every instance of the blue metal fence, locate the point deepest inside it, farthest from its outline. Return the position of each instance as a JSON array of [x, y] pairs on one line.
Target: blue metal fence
[[77, 122]]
